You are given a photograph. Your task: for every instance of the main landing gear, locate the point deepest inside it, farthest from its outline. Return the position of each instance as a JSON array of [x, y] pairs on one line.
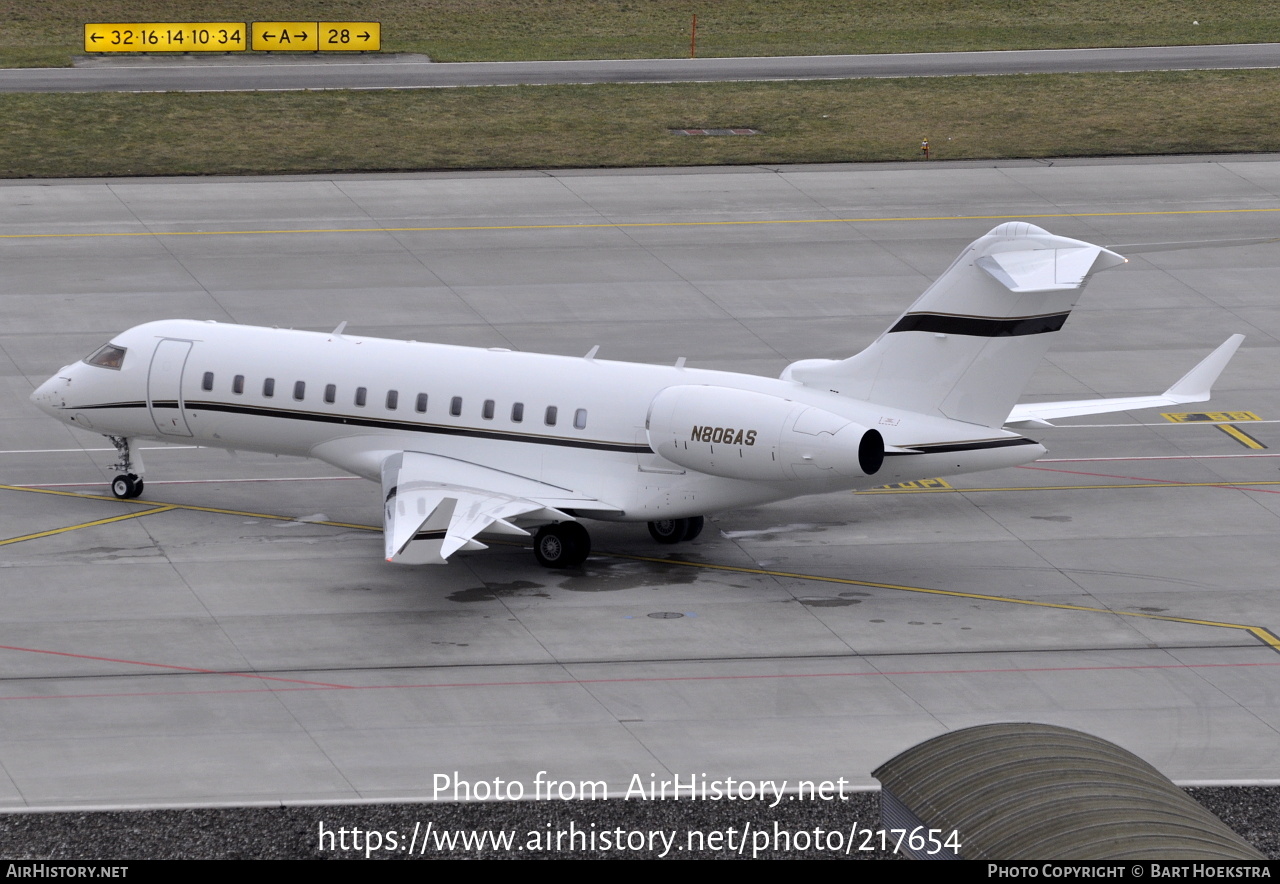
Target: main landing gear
[[129, 484], [567, 544], [676, 530], [562, 545]]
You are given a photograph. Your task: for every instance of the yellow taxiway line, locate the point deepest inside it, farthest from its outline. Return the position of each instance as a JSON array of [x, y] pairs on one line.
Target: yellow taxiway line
[[51, 532], [627, 224]]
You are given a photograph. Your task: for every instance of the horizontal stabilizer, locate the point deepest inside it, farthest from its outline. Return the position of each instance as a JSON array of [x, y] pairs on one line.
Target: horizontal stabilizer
[[1047, 270], [1195, 386]]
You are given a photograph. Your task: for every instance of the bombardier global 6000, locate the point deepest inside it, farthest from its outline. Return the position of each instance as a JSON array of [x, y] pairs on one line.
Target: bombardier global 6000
[[468, 441]]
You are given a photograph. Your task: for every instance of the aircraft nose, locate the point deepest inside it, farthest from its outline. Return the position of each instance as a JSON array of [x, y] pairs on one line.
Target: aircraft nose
[[48, 397]]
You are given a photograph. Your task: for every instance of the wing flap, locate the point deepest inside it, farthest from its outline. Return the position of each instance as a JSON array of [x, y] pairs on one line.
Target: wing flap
[[434, 506]]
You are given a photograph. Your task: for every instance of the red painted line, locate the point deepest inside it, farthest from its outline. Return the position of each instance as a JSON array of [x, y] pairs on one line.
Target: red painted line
[[1228, 486], [1151, 457], [321, 686], [170, 666]]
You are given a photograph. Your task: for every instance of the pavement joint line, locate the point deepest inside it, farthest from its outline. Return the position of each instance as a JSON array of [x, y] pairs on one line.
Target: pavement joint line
[[172, 666], [769, 676], [1261, 633], [632, 224]]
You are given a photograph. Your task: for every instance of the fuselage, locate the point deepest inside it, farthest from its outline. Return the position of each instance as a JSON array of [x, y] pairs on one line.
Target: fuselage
[[578, 423]]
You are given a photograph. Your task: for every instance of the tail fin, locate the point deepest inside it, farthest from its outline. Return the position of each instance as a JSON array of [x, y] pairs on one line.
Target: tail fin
[[966, 348]]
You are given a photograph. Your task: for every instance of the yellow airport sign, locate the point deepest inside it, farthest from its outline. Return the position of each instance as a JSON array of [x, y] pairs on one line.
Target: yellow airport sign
[[286, 36], [209, 36], [350, 36]]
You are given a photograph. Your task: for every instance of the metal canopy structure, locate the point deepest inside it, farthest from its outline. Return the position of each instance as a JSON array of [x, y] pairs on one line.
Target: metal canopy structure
[[1022, 791]]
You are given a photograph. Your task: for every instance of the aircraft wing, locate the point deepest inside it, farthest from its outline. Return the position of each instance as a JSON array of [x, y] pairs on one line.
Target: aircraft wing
[[434, 506], [1194, 386]]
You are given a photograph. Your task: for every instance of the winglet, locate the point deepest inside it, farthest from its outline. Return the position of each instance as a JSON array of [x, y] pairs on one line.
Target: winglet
[[1195, 385]]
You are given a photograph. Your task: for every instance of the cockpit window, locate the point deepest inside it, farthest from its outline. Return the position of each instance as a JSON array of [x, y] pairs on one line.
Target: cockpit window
[[109, 356]]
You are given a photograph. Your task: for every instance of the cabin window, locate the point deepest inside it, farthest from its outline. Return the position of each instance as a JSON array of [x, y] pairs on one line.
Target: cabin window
[[299, 390], [517, 412], [269, 387], [330, 393], [393, 399], [487, 411], [109, 356], [550, 419], [421, 405], [206, 383], [455, 406], [362, 394], [237, 384], [580, 419]]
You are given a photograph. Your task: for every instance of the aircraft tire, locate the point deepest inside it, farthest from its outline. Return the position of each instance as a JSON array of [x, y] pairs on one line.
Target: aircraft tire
[[668, 530], [562, 545], [126, 486], [694, 527]]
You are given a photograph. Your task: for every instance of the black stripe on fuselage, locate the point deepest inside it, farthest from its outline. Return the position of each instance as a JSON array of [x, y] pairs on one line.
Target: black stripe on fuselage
[[980, 326], [350, 420], [976, 445], [382, 424]]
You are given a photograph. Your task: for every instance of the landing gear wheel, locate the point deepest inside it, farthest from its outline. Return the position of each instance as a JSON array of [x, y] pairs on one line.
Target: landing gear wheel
[[562, 545], [668, 530], [694, 527], [126, 486]]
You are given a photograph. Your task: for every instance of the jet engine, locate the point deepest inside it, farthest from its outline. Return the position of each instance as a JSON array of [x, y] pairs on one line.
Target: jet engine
[[741, 434]]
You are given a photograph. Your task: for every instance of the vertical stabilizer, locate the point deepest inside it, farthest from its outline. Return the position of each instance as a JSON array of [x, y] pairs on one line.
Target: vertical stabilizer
[[966, 348]]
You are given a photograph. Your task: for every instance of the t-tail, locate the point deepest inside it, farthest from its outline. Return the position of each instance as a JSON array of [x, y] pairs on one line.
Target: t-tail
[[967, 347]]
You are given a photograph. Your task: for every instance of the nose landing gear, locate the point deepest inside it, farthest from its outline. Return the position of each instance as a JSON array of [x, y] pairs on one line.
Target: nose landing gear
[[129, 484]]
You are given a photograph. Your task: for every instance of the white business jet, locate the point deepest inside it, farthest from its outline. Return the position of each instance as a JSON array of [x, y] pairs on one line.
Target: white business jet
[[471, 441]]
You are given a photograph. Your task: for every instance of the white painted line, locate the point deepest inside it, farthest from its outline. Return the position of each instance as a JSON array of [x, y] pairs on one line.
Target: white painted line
[[192, 481], [112, 450]]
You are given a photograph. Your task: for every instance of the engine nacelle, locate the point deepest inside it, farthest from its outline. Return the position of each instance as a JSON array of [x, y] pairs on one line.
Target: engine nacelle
[[740, 434]]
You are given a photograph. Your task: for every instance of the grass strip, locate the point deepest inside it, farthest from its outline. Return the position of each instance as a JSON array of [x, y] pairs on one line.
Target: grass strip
[[53, 135]]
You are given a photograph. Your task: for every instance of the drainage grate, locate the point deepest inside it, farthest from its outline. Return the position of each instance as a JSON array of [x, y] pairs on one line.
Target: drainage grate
[[714, 131]]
